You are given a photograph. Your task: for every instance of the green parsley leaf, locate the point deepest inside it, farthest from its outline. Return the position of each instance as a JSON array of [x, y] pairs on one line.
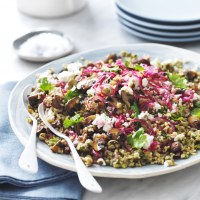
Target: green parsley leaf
[[179, 115], [177, 80], [138, 67], [52, 141], [138, 139], [111, 69], [130, 65], [71, 94], [196, 112], [45, 85], [135, 108], [72, 121]]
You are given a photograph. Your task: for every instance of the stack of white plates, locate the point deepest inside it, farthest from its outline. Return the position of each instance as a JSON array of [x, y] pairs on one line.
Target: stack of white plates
[[161, 20]]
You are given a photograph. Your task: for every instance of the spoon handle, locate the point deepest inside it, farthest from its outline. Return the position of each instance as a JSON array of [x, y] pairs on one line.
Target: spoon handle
[[28, 159], [85, 177]]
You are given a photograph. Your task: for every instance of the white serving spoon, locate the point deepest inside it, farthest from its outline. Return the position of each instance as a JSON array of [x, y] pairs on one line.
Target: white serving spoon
[[85, 177], [28, 159]]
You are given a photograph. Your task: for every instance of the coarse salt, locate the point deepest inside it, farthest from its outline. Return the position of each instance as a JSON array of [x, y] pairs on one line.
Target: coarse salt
[[45, 45]]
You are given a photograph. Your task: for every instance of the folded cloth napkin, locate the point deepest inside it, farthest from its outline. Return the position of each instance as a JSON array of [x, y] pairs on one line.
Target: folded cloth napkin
[[49, 183]]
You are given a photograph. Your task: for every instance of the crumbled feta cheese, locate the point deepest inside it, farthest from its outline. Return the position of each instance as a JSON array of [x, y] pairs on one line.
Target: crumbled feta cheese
[[145, 115], [157, 106], [159, 115], [127, 89], [91, 91], [179, 137], [103, 121], [149, 140], [50, 116], [74, 67], [127, 115], [65, 76], [144, 82], [126, 124], [85, 82]]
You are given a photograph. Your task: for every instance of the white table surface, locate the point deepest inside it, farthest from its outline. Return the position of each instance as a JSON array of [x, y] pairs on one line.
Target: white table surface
[[95, 26]]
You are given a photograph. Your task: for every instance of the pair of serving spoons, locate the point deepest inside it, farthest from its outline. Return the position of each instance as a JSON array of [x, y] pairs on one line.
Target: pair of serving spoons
[[28, 159]]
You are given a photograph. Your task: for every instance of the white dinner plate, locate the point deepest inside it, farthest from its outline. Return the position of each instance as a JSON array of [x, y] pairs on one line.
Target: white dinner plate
[[155, 25], [157, 38], [170, 11], [159, 32], [22, 129]]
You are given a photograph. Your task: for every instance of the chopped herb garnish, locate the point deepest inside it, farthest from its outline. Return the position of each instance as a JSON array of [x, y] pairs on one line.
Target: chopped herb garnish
[[177, 80], [138, 67], [138, 139], [71, 94], [52, 141], [196, 112], [111, 69], [72, 121], [135, 108], [179, 115], [45, 85]]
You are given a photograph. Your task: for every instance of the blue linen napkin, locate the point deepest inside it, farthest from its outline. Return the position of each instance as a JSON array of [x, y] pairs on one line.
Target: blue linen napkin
[[49, 183]]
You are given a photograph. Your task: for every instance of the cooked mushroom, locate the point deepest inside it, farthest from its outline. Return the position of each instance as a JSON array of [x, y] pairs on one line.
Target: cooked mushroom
[[126, 98], [77, 128], [111, 58], [88, 119], [71, 105], [194, 121], [57, 102], [176, 147], [191, 75], [114, 132], [99, 141], [35, 99], [142, 61]]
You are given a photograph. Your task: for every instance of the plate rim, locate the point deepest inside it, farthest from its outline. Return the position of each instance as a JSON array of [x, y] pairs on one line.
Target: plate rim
[[153, 20], [156, 38], [131, 18], [157, 32], [115, 173]]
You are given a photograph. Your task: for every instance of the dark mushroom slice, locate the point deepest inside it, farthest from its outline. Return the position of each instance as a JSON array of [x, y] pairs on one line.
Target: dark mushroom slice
[[88, 120], [115, 132], [191, 75], [176, 147], [35, 99], [77, 128], [111, 58], [126, 98], [72, 105], [194, 121], [57, 102], [145, 61]]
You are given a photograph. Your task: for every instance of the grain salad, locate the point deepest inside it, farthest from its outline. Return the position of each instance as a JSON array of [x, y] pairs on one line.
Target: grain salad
[[123, 111]]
